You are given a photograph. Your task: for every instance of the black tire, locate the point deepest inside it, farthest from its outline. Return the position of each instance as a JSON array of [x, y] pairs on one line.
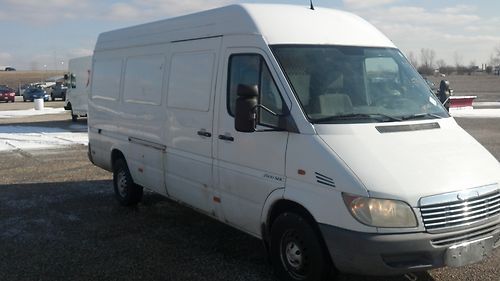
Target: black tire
[[296, 251], [74, 117], [126, 191]]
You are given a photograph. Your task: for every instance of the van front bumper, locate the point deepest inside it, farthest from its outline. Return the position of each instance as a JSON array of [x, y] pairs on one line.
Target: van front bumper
[[392, 254]]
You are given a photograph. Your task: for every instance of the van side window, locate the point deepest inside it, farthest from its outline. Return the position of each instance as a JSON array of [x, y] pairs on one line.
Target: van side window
[[191, 81], [143, 79], [106, 79], [251, 69]]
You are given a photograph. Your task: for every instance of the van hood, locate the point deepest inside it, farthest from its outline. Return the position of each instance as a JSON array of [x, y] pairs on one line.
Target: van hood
[[411, 160]]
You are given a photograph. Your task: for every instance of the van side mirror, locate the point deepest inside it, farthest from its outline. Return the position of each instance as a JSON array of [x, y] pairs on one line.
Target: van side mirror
[[246, 108]]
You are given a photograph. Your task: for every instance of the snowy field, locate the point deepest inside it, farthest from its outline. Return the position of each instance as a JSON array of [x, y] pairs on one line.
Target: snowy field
[[36, 138], [18, 137]]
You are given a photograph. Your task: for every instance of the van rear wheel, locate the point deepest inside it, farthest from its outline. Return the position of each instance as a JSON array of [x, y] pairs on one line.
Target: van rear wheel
[[296, 252], [126, 191], [74, 117]]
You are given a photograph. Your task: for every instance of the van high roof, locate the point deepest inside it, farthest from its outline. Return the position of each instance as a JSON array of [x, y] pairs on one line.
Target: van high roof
[[278, 24]]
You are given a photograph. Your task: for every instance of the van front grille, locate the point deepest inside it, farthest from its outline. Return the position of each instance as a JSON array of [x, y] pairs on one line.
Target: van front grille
[[460, 213], [468, 236]]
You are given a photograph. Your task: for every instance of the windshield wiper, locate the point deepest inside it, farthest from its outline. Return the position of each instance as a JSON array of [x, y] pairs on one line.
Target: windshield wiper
[[420, 115], [376, 116]]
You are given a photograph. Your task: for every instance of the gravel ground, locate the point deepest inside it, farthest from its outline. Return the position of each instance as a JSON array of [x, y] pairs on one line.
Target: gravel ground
[[486, 131], [59, 221]]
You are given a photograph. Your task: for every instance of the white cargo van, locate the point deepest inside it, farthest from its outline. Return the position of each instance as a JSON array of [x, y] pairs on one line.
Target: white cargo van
[[78, 80], [306, 128]]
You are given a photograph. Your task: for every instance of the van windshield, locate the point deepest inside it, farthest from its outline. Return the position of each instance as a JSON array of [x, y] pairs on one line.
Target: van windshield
[[343, 84]]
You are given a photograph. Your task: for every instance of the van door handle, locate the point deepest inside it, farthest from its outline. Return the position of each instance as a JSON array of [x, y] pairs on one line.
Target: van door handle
[[204, 134], [226, 138]]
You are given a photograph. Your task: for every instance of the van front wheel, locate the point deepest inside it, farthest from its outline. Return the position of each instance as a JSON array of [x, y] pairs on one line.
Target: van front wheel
[[127, 192], [296, 251]]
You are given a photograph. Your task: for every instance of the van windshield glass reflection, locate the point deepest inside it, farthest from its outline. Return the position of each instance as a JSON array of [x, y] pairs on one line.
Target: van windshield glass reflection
[[339, 84]]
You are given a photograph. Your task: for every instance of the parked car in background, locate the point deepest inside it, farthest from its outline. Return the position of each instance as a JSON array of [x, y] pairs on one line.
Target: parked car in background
[[6, 88], [7, 94], [21, 88], [33, 93], [59, 91], [10, 69]]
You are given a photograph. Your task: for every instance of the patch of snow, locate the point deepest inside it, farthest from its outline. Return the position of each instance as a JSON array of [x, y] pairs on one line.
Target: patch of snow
[[30, 112], [36, 138], [486, 103], [476, 113]]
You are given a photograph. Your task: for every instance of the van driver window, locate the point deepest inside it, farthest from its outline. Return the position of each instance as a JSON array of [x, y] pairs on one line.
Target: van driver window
[[251, 69]]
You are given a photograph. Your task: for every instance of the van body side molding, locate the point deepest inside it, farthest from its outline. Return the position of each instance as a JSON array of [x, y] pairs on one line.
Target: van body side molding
[[194, 39], [408, 128], [147, 143]]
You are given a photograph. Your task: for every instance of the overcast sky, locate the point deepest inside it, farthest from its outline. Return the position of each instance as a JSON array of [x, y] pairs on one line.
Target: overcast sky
[[36, 33]]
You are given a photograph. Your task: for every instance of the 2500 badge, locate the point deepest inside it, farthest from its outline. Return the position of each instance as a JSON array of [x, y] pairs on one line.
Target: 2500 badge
[[272, 177]]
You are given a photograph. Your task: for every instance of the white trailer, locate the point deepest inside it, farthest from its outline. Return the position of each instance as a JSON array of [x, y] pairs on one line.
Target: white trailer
[[306, 128], [78, 80]]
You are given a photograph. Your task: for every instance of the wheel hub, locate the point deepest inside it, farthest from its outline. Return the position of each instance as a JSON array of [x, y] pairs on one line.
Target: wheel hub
[[294, 255], [121, 184]]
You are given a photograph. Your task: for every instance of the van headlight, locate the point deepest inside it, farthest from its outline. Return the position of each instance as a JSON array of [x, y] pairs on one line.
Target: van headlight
[[380, 212]]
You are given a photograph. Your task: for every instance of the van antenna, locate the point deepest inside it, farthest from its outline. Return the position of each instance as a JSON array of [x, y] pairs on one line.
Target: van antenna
[[312, 5]]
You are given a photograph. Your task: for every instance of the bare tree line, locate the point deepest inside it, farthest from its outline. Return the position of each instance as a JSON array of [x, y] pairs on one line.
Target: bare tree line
[[495, 58], [427, 63]]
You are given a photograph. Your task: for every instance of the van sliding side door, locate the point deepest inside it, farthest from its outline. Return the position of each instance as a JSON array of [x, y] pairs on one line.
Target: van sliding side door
[[189, 122]]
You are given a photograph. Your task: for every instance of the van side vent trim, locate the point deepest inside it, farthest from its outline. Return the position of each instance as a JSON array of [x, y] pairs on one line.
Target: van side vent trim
[[407, 128], [322, 179]]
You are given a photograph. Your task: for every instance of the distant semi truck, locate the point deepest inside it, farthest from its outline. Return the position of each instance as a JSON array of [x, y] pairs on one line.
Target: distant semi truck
[[78, 81]]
